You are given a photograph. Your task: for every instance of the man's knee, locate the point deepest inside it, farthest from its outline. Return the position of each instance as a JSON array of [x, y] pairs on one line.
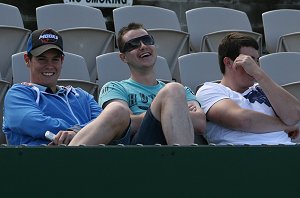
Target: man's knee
[[173, 89], [118, 113]]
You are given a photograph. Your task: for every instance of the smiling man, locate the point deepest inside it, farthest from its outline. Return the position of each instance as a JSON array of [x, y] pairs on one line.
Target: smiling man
[[159, 113], [32, 108]]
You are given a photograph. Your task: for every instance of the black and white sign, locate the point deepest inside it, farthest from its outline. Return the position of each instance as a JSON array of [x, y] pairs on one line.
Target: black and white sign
[[101, 3]]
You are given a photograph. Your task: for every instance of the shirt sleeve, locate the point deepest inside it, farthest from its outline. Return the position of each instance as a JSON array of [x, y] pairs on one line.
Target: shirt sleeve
[[209, 94], [111, 91]]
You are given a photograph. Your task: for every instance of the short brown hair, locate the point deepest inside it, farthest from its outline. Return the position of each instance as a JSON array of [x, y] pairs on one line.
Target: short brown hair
[[231, 45], [124, 30]]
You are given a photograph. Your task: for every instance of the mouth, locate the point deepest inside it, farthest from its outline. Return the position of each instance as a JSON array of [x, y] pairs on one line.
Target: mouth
[[48, 74], [145, 54]]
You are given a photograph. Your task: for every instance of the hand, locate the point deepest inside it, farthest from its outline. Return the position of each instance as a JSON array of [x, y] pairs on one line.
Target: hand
[[192, 107], [293, 134], [63, 137], [247, 63]]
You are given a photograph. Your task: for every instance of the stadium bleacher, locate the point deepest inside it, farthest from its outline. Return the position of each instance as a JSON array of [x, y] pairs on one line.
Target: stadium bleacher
[[147, 171]]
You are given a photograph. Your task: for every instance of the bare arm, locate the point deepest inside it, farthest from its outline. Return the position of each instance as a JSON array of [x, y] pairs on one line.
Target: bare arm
[[197, 116], [230, 115], [286, 106]]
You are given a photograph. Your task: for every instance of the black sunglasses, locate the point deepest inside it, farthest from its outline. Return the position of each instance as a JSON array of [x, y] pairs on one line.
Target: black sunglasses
[[136, 43]]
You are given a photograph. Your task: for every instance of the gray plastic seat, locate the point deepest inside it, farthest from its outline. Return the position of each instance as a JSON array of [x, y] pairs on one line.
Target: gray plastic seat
[[13, 37], [4, 86], [170, 40], [111, 68], [208, 25], [277, 23], [74, 72], [282, 67], [198, 68], [293, 88], [82, 28]]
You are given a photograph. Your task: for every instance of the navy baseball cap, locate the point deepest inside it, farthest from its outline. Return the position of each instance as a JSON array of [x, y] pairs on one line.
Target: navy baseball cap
[[43, 40]]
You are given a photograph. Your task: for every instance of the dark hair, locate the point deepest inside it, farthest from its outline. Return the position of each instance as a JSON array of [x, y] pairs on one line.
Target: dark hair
[[231, 45], [124, 30]]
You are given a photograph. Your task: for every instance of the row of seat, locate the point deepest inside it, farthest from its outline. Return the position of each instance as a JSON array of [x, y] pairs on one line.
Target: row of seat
[[195, 69], [84, 31]]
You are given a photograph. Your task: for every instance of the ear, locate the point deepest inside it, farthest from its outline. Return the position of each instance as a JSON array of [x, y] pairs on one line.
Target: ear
[[26, 59], [227, 62], [123, 57], [62, 59]]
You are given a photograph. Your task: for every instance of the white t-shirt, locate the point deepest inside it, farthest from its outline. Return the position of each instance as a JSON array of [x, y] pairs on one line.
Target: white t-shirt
[[253, 99]]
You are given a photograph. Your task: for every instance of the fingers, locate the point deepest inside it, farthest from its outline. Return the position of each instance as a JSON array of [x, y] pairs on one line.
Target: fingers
[[192, 107], [64, 137]]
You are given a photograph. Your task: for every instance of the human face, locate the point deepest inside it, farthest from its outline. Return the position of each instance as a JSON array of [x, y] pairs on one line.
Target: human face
[[243, 79], [45, 68], [142, 55]]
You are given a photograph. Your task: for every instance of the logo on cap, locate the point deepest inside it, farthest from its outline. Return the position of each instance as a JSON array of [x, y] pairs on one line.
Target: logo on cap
[[48, 37]]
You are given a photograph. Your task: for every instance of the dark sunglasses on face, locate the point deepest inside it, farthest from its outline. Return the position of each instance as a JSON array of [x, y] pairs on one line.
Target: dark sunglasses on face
[[136, 43]]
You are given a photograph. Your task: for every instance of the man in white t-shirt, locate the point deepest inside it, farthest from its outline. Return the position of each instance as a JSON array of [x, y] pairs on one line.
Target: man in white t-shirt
[[247, 106]]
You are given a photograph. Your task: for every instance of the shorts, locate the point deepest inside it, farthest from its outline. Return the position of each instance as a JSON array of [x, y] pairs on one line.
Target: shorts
[[150, 131], [125, 139]]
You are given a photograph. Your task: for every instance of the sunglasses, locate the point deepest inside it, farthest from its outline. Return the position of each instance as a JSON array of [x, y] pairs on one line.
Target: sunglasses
[[136, 43]]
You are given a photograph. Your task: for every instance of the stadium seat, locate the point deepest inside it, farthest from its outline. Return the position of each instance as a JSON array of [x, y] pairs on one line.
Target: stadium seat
[[4, 86], [74, 72], [170, 40], [197, 68], [82, 28], [293, 88], [111, 68], [13, 37], [277, 23], [208, 25], [282, 67], [289, 42]]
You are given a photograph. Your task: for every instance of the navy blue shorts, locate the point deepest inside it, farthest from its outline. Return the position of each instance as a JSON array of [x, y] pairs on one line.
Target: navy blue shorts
[[150, 131]]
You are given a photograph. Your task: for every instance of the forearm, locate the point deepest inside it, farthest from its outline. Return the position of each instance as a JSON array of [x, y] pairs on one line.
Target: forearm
[[256, 122], [199, 121], [284, 104]]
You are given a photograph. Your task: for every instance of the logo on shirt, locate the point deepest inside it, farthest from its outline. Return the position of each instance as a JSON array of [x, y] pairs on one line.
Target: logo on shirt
[[258, 96]]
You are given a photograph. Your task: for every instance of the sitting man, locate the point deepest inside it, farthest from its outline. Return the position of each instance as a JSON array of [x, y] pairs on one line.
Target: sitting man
[[159, 113], [31, 109], [247, 107]]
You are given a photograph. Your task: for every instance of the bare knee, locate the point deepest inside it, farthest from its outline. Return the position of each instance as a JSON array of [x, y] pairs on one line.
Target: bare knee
[[118, 114], [173, 90]]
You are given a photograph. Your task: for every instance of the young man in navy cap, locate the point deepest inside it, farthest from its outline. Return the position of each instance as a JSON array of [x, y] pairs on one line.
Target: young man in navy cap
[[32, 108]]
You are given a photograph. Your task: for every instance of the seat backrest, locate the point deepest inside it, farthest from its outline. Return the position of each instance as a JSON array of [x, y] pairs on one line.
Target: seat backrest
[[111, 68], [62, 16], [277, 23], [82, 28], [13, 40], [282, 67], [74, 67], [201, 21], [88, 43], [4, 86], [211, 41], [124, 15], [289, 43], [10, 15], [293, 88], [197, 68]]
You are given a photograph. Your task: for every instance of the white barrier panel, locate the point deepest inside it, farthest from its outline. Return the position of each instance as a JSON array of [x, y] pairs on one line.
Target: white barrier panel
[[101, 3]]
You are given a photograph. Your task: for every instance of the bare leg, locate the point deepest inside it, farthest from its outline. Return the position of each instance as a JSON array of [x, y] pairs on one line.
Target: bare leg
[[109, 125], [170, 108]]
